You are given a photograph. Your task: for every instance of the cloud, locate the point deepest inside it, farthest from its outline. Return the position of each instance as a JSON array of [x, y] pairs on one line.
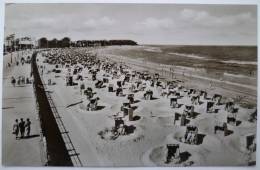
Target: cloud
[[100, 22], [204, 18], [181, 24], [43, 21], [154, 23]]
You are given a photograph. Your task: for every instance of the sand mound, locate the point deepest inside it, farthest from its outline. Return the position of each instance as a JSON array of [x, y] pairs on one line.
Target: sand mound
[[100, 108], [130, 132], [165, 121], [158, 156]]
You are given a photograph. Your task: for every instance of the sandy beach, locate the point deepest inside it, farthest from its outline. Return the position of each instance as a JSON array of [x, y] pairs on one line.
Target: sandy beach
[[153, 127]]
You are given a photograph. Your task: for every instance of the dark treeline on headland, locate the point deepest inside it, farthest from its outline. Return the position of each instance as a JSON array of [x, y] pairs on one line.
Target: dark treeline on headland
[[87, 43], [66, 42]]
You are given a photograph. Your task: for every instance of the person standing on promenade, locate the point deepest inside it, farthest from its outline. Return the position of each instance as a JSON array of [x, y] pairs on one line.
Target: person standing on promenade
[[22, 127], [16, 128], [13, 81], [28, 127]]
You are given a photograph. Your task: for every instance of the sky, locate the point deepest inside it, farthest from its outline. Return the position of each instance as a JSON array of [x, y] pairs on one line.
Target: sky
[[182, 24]]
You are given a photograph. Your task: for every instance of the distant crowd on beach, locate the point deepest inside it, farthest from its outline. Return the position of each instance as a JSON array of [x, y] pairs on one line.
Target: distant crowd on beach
[[23, 128]]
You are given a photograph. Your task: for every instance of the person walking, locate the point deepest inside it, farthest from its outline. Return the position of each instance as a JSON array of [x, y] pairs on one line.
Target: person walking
[[22, 127], [19, 81], [16, 128], [28, 127], [13, 81]]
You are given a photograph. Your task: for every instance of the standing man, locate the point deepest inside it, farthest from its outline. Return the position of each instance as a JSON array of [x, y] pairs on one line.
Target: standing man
[[28, 127], [22, 127], [16, 128]]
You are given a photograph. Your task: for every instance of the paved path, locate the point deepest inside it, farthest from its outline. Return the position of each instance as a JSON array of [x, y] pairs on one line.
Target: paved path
[[19, 102]]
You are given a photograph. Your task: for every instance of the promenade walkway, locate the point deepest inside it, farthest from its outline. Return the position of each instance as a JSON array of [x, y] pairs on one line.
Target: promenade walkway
[[19, 102]]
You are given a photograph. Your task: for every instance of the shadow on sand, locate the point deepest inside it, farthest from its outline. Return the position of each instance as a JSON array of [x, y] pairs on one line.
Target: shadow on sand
[[30, 136], [73, 104]]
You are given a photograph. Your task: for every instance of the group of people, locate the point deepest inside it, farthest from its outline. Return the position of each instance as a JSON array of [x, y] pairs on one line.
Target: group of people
[[22, 127], [21, 80]]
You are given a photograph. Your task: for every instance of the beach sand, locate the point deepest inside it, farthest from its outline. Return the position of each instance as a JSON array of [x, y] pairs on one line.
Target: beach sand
[[146, 146]]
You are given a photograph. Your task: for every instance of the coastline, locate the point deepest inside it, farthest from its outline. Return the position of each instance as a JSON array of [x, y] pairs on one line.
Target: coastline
[[241, 86]]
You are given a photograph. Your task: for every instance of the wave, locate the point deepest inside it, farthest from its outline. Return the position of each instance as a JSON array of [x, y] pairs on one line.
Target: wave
[[190, 56], [227, 82], [156, 50], [240, 62], [238, 75]]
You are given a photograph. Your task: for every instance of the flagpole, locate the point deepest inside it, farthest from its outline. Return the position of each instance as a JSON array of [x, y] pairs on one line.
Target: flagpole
[[11, 54]]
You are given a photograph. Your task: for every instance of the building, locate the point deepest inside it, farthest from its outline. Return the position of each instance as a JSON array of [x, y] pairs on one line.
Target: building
[[13, 44], [25, 43], [9, 43]]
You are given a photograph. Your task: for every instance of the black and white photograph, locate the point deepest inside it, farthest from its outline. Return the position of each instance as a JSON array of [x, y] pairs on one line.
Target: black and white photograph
[[129, 85]]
